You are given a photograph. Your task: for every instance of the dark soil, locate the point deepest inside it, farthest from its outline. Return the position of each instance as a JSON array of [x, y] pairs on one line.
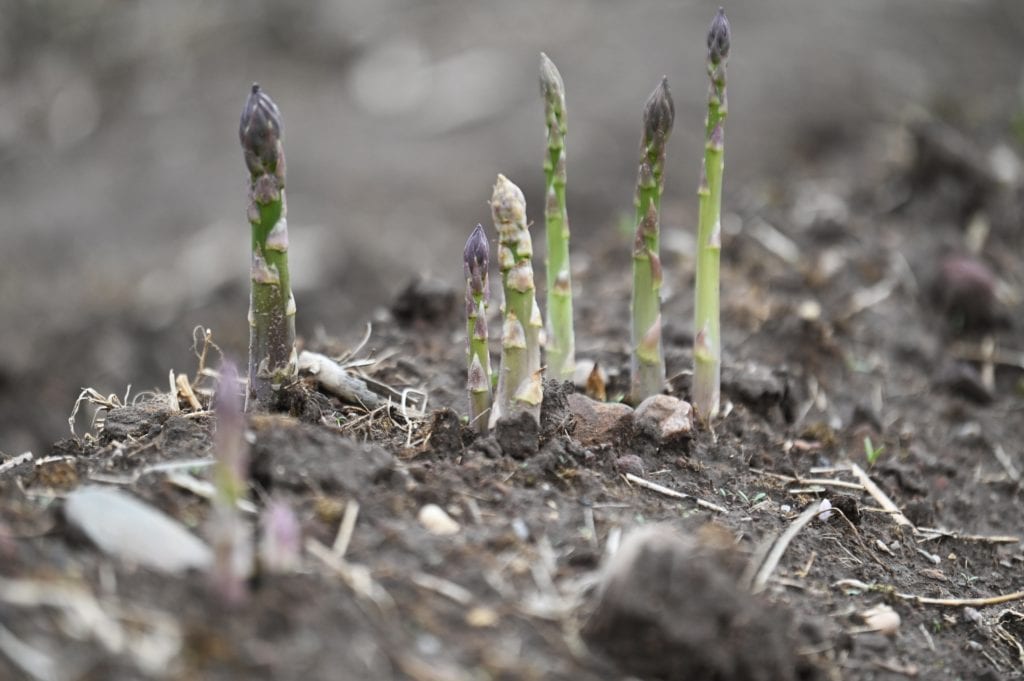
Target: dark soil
[[826, 346]]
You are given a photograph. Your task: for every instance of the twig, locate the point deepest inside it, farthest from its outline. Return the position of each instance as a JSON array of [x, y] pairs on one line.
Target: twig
[[926, 600], [185, 389], [930, 533], [668, 492], [345, 529], [775, 555], [1004, 460], [356, 577], [444, 587], [828, 482], [880, 497]]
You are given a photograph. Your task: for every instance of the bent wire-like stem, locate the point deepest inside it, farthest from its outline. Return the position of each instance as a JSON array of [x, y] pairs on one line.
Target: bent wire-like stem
[[648, 360], [561, 342], [707, 343], [272, 360], [519, 379]]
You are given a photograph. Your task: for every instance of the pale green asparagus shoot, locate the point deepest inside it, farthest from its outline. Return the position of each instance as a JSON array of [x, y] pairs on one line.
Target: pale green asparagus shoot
[[648, 360], [561, 343], [272, 360], [707, 340], [229, 532], [475, 262], [519, 377]]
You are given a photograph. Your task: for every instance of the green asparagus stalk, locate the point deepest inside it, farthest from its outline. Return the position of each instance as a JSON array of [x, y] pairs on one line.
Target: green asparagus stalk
[[561, 343], [272, 359], [648, 360], [519, 379], [475, 261], [707, 342]]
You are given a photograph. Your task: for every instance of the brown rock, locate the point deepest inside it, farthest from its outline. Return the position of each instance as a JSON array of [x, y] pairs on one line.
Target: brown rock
[[596, 421], [670, 416]]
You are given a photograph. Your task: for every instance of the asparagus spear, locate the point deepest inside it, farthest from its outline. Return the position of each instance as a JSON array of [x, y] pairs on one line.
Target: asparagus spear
[[231, 543], [475, 260], [648, 361], [707, 342], [272, 359], [519, 380], [561, 343]]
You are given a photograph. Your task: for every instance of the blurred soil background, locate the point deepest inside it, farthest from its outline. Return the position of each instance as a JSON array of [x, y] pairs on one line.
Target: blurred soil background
[[122, 188]]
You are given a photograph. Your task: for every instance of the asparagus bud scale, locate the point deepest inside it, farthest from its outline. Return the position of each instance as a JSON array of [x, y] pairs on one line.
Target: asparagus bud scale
[[707, 343], [272, 359], [561, 350], [648, 361]]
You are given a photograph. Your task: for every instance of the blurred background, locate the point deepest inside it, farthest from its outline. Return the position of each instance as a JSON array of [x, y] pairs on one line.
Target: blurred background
[[123, 193]]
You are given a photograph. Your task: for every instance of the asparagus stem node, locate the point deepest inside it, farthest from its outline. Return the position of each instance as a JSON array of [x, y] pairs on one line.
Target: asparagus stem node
[[707, 349], [272, 358], [648, 360], [561, 342], [519, 377], [475, 263]]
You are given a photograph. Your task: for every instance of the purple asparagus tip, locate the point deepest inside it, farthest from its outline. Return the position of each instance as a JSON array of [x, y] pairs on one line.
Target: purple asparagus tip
[[718, 37], [660, 111], [259, 130], [475, 256]]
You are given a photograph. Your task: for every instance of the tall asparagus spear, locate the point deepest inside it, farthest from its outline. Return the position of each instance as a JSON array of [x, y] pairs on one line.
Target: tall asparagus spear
[[648, 361], [519, 380], [272, 360], [707, 341], [475, 260], [561, 343]]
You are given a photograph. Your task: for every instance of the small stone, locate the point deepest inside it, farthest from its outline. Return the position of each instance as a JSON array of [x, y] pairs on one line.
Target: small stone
[[630, 463], [881, 618], [481, 617], [671, 416], [436, 521], [128, 529], [596, 421]]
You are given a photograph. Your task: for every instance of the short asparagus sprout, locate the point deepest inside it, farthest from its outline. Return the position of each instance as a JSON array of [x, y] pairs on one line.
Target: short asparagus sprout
[[280, 538], [707, 341], [648, 360], [475, 261], [272, 359], [230, 537], [561, 343], [519, 378]]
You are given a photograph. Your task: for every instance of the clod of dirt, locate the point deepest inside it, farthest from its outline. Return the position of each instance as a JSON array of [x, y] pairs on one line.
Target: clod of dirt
[[446, 432], [298, 456], [596, 421], [425, 301], [670, 608], [965, 290], [962, 379], [764, 390], [555, 417], [518, 435], [630, 463], [133, 422], [125, 528], [670, 417]]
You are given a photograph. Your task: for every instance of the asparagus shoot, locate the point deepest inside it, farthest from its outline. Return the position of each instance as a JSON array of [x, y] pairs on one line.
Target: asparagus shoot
[[475, 261], [648, 360], [230, 539], [561, 350], [519, 379], [707, 342], [272, 359]]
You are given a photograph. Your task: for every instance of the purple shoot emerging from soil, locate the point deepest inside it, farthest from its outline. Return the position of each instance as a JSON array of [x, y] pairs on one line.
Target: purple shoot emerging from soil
[[272, 360], [229, 534], [519, 378], [475, 260], [707, 343], [280, 538], [648, 359]]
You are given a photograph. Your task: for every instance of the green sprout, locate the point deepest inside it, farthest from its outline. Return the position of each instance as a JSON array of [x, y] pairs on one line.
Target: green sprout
[[475, 263], [561, 343], [648, 359], [707, 341], [519, 379], [272, 359], [871, 452]]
